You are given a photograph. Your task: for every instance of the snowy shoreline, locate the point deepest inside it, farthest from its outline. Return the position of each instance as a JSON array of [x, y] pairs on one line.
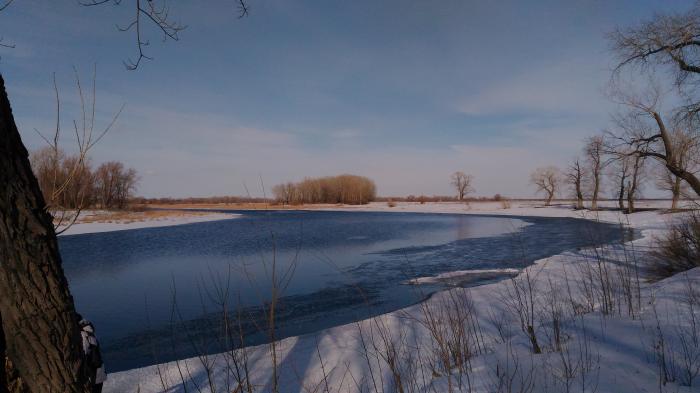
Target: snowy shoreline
[[307, 359], [138, 223]]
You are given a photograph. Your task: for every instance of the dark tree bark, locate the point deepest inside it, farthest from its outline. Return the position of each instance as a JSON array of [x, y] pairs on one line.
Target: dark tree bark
[[621, 195], [39, 323], [676, 190], [575, 176], [634, 183], [594, 151], [3, 360]]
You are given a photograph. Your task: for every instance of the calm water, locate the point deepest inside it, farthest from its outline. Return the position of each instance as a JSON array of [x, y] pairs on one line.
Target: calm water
[[155, 294]]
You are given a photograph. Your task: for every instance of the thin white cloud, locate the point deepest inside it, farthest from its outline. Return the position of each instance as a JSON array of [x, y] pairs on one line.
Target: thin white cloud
[[566, 87]]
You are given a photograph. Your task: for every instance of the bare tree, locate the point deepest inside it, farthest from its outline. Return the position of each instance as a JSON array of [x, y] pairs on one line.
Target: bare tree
[[65, 180], [548, 181], [667, 40], [462, 183], [574, 176], [635, 182], [41, 337], [594, 157], [643, 132], [619, 174], [114, 184], [687, 147], [157, 14]]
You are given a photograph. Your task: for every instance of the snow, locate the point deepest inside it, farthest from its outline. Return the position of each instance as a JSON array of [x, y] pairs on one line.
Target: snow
[[120, 225], [627, 349], [460, 274]]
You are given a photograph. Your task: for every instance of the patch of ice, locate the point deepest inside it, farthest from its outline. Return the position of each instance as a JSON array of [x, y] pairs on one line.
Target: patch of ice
[[451, 276]]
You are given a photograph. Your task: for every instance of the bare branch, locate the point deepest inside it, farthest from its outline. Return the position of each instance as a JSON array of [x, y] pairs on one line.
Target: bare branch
[[7, 4]]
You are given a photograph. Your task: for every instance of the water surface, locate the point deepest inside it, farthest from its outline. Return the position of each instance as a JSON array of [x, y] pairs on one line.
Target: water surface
[[156, 294]]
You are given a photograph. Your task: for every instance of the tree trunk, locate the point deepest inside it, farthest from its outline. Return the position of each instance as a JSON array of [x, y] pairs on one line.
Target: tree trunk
[[41, 333], [632, 186], [550, 196], [596, 190], [579, 195], [690, 178], [3, 360], [630, 200], [621, 195], [670, 157], [676, 193]]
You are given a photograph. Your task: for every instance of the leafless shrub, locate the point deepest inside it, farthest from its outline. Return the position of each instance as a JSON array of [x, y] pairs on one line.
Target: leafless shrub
[[519, 297], [513, 375], [456, 336], [675, 340], [679, 249], [501, 322], [66, 180]]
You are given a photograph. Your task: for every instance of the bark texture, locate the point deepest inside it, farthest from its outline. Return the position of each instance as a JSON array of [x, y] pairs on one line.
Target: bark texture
[[38, 315]]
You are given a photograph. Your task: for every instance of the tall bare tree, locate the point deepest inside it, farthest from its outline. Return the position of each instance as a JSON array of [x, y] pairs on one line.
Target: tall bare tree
[[547, 180], [620, 173], [687, 148], [594, 150], [671, 40], [37, 314], [462, 183], [574, 176], [644, 132], [635, 182]]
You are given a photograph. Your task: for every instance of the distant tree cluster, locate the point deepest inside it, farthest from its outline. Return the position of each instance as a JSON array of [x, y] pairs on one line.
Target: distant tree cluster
[[346, 189], [227, 199], [69, 182]]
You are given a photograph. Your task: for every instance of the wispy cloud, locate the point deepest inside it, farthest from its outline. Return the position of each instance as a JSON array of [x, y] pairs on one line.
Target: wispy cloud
[[565, 87]]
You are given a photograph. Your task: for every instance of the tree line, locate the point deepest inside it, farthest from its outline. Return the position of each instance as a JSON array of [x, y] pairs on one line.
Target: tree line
[[606, 163], [68, 181], [643, 131], [345, 189]]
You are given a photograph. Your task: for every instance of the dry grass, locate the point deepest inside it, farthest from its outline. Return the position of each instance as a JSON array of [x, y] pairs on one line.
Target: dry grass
[[239, 206], [127, 216], [679, 249]]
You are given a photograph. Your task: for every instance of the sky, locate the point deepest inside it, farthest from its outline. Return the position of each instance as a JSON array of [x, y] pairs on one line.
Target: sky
[[404, 92]]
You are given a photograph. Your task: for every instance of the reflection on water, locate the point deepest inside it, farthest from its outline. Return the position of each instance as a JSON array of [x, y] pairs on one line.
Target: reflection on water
[[136, 285]]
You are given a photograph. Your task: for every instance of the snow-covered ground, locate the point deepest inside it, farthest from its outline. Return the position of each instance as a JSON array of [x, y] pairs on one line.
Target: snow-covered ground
[[599, 329], [139, 220]]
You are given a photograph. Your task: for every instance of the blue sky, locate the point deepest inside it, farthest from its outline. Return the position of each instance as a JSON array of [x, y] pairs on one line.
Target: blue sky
[[403, 92]]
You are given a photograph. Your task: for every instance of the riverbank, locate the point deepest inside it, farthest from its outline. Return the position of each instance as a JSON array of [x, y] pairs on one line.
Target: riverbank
[[95, 221], [595, 346]]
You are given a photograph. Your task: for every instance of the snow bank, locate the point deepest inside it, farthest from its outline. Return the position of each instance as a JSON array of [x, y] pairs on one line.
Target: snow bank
[[120, 225], [616, 352]]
